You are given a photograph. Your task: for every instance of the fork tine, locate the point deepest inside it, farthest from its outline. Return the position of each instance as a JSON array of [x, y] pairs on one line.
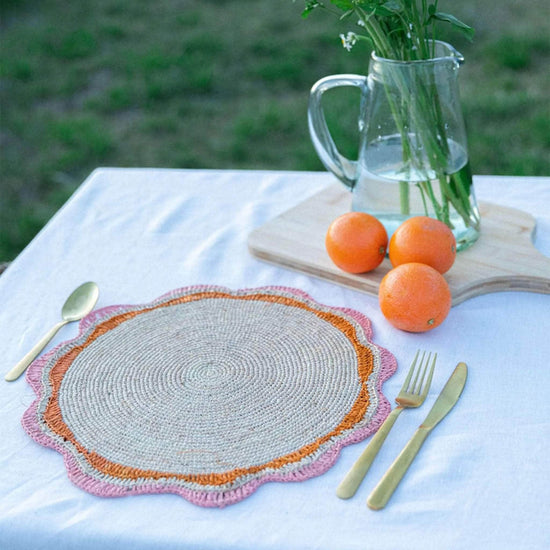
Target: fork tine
[[418, 387], [411, 371], [415, 388], [430, 376]]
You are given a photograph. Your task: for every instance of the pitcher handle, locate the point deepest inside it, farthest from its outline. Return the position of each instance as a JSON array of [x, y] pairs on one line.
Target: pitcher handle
[[343, 168]]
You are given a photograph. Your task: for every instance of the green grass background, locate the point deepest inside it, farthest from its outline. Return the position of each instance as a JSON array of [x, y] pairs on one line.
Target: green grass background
[[225, 84]]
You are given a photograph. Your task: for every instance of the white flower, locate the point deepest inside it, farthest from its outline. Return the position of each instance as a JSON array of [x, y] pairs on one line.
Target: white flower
[[349, 40]]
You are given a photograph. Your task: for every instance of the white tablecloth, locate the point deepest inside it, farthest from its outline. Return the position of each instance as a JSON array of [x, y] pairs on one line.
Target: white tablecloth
[[480, 481]]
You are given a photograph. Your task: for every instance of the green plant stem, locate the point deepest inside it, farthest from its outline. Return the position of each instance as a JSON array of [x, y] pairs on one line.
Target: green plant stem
[[379, 39], [422, 106], [383, 45], [404, 198]]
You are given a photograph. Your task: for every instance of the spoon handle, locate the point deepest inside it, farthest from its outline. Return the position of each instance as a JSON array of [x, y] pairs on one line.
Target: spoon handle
[[21, 367]]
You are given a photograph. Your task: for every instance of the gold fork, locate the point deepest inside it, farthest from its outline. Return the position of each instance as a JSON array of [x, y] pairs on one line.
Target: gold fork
[[412, 395]]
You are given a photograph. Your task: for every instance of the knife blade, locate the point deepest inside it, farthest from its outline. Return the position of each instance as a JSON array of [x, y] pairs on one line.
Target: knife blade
[[444, 403]]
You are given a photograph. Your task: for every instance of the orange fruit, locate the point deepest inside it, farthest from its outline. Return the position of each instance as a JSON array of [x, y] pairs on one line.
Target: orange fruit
[[424, 240], [414, 297], [356, 242]]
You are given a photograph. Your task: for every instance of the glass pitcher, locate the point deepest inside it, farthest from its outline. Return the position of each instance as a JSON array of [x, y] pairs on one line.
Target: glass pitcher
[[413, 157]]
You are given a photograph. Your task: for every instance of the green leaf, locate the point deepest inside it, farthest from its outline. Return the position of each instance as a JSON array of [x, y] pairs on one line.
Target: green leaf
[[381, 11], [393, 5], [310, 6], [462, 27], [346, 14], [388, 9], [343, 4]]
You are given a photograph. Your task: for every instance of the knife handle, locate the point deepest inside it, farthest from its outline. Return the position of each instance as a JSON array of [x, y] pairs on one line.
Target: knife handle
[[389, 482], [349, 485]]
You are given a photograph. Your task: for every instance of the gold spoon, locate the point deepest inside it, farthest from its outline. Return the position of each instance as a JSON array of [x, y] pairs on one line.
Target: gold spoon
[[78, 304]]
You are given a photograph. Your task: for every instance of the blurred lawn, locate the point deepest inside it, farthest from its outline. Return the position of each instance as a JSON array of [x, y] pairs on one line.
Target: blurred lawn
[[225, 84]]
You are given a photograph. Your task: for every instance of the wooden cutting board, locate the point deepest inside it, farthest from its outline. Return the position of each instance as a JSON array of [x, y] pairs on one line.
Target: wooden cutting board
[[503, 258]]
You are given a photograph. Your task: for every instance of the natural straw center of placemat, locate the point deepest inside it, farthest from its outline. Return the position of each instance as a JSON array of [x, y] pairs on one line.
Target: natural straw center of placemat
[[211, 385], [209, 392]]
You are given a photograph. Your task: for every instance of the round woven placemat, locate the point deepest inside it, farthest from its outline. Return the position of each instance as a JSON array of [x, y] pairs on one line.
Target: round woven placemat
[[208, 393]]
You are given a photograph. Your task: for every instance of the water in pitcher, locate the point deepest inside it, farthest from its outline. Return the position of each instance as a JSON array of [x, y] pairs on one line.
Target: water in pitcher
[[393, 189]]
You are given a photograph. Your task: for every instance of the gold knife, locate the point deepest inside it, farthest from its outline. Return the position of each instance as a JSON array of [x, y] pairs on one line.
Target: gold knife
[[445, 402]]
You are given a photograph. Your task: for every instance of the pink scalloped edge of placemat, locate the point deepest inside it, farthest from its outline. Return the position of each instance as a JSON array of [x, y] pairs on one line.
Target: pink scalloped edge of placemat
[[204, 498]]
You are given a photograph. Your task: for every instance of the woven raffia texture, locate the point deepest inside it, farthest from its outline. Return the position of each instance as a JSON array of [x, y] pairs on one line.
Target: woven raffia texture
[[208, 393]]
